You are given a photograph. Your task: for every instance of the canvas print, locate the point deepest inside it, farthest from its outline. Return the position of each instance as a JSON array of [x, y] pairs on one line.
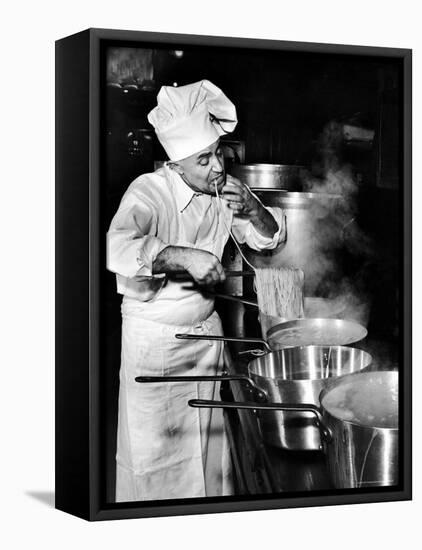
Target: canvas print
[[251, 223]]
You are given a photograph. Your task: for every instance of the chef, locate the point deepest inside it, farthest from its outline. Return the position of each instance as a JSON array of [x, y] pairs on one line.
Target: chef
[[178, 219]]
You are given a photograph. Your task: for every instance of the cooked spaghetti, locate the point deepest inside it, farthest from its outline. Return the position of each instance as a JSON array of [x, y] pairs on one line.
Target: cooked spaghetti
[[280, 291]]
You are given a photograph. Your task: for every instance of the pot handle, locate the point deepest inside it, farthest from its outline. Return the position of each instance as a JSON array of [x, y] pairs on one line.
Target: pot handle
[[258, 393], [305, 407], [223, 339]]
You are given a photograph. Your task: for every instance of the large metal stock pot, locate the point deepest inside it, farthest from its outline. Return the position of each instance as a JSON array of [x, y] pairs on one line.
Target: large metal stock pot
[[291, 375], [362, 448], [358, 421]]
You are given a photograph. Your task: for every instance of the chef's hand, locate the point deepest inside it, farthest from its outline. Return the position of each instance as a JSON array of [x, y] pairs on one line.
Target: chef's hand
[[245, 205], [204, 267], [240, 198]]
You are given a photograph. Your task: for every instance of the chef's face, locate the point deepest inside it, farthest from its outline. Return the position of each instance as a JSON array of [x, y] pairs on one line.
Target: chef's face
[[203, 170]]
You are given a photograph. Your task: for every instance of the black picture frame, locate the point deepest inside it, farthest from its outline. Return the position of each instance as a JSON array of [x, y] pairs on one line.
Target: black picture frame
[[80, 261]]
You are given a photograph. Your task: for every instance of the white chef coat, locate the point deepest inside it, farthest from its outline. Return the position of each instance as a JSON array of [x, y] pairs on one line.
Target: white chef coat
[[165, 449]]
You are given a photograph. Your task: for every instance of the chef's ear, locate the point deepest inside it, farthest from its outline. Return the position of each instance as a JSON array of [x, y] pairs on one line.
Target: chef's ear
[[176, 167]]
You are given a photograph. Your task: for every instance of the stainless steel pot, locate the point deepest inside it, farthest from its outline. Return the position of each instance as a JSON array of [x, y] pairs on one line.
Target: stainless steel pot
[[314, 234], [298, 375], [269, 176], [294, 375], [361, 445]]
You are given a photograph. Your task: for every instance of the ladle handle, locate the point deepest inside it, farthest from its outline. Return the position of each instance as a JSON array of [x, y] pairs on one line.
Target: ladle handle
[[232, 298], [223, 339], [298, 407], [228, 272]]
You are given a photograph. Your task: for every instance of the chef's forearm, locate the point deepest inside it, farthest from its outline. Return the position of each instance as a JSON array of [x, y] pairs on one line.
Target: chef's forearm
[[264, 222], [172, 259]]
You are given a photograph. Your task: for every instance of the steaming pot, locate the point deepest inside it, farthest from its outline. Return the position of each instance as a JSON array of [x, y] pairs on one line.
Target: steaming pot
[[363, 453]]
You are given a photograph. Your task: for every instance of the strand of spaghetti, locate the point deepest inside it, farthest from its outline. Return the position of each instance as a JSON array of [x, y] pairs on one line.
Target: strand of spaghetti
[[229, 229], [279, 291]]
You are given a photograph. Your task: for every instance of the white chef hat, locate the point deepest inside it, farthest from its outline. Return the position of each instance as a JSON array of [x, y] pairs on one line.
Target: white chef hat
[[189, 118]]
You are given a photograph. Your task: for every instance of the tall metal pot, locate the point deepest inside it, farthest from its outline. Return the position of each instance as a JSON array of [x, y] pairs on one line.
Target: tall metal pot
[[360, 452], [314, 234]]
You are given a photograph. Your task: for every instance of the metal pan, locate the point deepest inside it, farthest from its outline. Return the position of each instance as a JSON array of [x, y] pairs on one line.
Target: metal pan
[[315, 332], [313, 308], [309, 331], [293, 375], [300, 332]]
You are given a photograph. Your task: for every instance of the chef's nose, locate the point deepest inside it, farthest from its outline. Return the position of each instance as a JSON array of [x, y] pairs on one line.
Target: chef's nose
[[217, 164]]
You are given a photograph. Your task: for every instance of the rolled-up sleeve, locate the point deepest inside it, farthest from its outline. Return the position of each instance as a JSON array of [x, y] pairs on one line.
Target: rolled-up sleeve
[[245, 232], [132, 246]]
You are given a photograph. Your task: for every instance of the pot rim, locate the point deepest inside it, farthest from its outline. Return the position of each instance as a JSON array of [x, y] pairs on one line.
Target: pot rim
[[267, 166], [341, 380], [313, 347]]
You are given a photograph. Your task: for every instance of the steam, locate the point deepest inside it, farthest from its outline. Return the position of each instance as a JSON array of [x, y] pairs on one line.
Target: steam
[[335, 228], [384, 356]]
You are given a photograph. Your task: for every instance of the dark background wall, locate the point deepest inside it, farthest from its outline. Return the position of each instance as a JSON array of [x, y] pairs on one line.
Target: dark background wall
[[283, 103]]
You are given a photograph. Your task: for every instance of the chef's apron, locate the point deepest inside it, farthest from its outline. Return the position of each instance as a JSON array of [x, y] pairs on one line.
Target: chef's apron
[[166, 449]]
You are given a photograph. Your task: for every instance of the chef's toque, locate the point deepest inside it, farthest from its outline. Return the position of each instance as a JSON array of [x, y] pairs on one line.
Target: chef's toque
[[189, 118]]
